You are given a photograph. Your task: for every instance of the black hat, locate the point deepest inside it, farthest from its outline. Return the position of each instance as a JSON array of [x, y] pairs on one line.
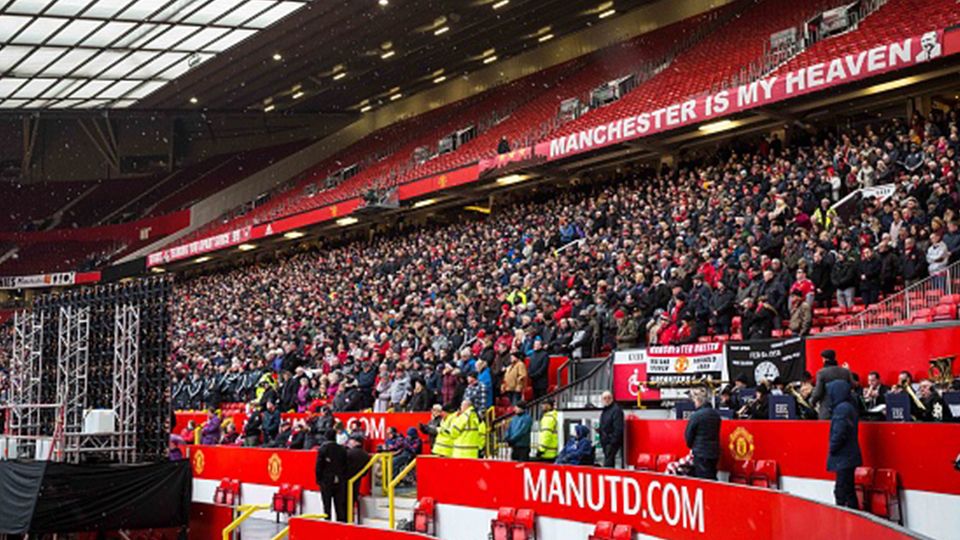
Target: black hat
[[742, 378], [829, 356]]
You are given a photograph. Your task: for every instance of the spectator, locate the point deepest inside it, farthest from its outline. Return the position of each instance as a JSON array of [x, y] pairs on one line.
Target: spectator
[[518, 433], [611, 430], [515, 379], [331, 476], [271, 422], [801, 315], [548, 434], [844, 456], [539, 369], [830, 372], [210, 433], [703, 437], [579, 449], [468, 431]]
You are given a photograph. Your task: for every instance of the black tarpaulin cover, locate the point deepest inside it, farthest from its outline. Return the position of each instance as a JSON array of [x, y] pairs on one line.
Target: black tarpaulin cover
[[59, 498]]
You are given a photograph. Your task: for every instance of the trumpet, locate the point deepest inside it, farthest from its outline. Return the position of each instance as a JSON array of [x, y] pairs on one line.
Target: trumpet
[[941, 371]]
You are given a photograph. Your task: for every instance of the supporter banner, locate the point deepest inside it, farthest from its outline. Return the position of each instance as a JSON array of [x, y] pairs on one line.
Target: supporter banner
[[38, 281], [665, 364], [848, 68], [654, 505], [759, 360], [887, 351], [199, 247], [921, 453], [510, 160]]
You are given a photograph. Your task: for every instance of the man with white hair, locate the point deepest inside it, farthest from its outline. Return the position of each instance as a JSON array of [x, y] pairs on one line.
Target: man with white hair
[[703, 436], [611, 429]]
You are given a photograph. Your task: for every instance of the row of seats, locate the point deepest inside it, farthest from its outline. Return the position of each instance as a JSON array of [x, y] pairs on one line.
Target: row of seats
[[288, 499], [227, 492], [760, 473], [513, 524], [607, 530]]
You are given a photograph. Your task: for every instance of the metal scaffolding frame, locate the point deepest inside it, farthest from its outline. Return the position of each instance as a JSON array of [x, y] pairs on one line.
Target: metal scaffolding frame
[[26, 422], [126, 367], [73, 356]]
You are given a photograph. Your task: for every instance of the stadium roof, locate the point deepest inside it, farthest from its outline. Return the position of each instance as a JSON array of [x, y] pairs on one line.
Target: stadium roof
[[110, 53]]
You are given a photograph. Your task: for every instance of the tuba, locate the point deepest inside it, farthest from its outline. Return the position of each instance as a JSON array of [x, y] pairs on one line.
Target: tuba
[[941, 371]]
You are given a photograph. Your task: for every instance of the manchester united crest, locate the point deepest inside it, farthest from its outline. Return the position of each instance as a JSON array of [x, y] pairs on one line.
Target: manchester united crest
[[741, 444], [333, 210], [198, 462], [274, 467], [442, 181], [681, 364]]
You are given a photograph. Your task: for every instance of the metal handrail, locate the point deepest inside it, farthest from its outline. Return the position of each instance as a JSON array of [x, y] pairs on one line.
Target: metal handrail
[[386, 465], [246, 510], [286, 530], [393, 487]]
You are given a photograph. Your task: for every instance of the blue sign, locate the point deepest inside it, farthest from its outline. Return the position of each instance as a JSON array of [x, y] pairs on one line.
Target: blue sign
[[898, 407], [684, 409], [783, 408]]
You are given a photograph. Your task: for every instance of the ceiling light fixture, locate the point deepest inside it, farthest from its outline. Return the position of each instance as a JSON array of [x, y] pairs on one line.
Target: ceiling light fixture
[[608, 13], [425, 202], [500, 4], [293, 235], [490, 59], [277, 56], [441, 31], [269, 108], [384, 3], [387, 54], [297, 95], [157, 270], [396, 97], [440, 79], [246, 247], [201, 260], [340, 75], [547, 37], [366, 108], [193, 100], [716, 127], [344, 222], [512, 179]]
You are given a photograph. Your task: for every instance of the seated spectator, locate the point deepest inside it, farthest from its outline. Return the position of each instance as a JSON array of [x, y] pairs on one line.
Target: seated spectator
[[210, 432], [579, 449]]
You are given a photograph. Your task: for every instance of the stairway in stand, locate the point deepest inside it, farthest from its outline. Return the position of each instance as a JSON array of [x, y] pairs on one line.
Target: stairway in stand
[[375, 511]]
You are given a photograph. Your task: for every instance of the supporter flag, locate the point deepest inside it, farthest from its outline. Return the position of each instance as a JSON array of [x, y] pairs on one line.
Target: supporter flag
[[759, 360]]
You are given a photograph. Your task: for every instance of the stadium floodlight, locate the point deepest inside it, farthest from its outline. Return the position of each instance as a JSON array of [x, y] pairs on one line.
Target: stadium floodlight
[[716, 127], [387, 54], [396, 96], [347, 221], [384, 3], [544, 38], [424, 203], [246, 247], [277, 57], [193, 100], [490, 59], [366, 108], [340, 75], [293, 235], [201, 260], [442, 30], [440, 79], [297, 95], [269, 108]]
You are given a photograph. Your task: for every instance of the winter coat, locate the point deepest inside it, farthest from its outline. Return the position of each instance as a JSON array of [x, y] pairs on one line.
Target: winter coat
[[844, 432], [703, 433]]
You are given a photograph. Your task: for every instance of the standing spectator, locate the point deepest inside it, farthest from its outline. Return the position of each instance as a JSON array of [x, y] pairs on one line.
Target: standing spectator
[[913, 263], [844, 456], [476, 392], [210, 433], [938, 257], [518, 433], [271, 422], [468, 431], [844, 278], [870, 273], [703, 437], [611, 430], [549, 433], [830, 372], [539, 369], [801, 316], [515, 379], [331, 472]]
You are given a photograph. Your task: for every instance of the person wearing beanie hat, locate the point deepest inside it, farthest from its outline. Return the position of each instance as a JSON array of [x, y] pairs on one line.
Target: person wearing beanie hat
[[830, 372]]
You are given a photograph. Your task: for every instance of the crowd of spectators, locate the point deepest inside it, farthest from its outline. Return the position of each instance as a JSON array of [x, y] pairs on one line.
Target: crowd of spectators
[[438, 313]]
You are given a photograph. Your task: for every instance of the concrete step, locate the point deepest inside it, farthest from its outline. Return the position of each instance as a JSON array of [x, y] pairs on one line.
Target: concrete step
[[260, 529], [379, 508]]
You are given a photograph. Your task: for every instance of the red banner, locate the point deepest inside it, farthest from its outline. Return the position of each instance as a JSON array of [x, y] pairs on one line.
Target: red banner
[[887, 351], [922, 454], [439, 182], [814, 78], [327, 213], [308, 529], [375, 425], [656, 505], [267, 466]]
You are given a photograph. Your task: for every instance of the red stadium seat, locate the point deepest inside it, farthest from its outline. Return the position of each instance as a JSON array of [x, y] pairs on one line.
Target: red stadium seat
[[423, 516], [949, 299], [742, 471], [524, 525], [623, 532], [280, 499], [863, 483], [945, 312], [500, 527], [885, 495], [220, 495], [663, 460], [603, 530], [645, 462], [765, 474]]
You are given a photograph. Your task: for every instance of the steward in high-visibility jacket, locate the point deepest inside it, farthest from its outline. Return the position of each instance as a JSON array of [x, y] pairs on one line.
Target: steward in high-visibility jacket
[[468, 431], [443, 445], [548, 437]]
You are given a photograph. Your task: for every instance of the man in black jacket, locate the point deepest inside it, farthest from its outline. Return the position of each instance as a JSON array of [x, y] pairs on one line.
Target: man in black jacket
[[830, 372], [703, 437], [611, 430], [331, 475], [539, 368], [844, 456]]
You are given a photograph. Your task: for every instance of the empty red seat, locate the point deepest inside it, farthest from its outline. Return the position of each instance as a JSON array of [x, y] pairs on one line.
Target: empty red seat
[[228, 492], [280, 499], [863, 484], [423, 516], [742, 471], [885, 495], [765, 474], [950, 299], [663, 460], [524, 525], [500, 527], [945, 312], [623, 532], [603, 530], [645, 462]]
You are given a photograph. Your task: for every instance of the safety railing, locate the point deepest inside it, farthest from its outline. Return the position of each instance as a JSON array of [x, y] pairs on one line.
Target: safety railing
[[916, 304], [391, 491], [579, 393], [286, 530], [246, 510], [386, 469]]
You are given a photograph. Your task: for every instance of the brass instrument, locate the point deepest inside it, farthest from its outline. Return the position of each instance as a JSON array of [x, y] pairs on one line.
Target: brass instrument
[[908, 388], [706, 382], [941, 371], [794, 390]]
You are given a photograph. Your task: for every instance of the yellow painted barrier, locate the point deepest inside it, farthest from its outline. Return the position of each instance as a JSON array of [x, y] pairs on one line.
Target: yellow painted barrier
[[386, 466], [286, 530], [246, 510], [393, 486]]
